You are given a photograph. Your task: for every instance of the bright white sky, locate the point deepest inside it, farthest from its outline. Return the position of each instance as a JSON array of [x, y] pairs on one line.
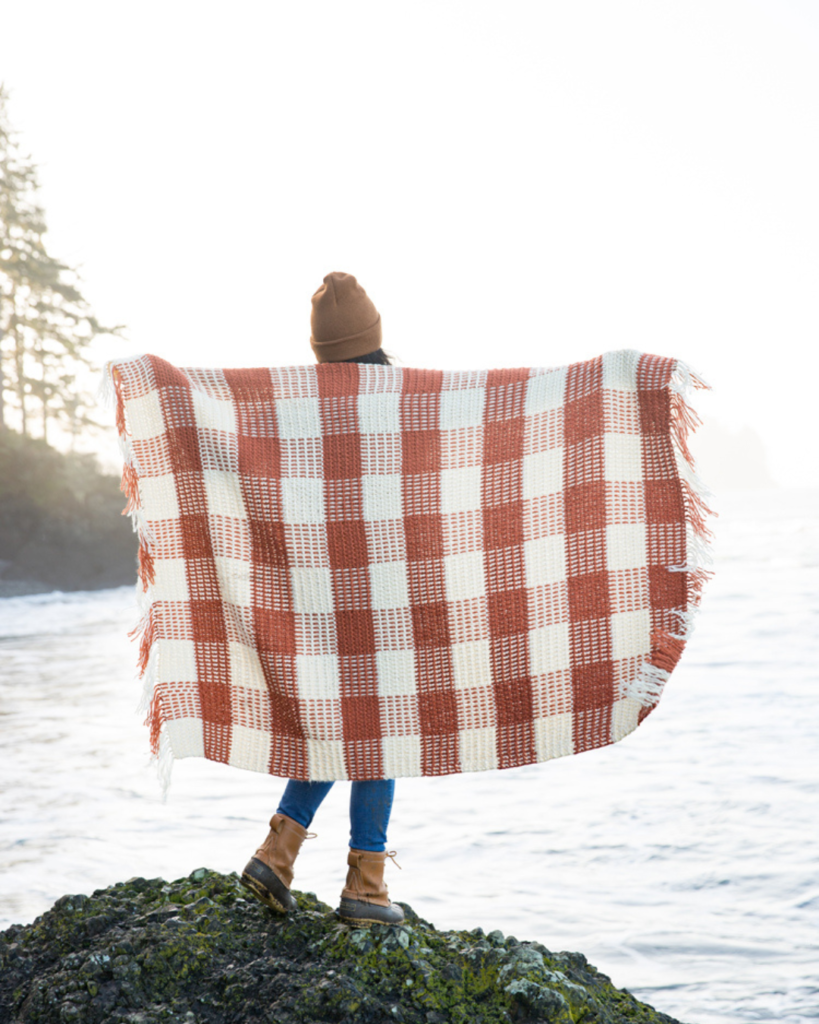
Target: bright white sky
[[526, 183]]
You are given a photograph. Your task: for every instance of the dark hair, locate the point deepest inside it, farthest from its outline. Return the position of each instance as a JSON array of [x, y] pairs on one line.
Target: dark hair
[[379, 357]]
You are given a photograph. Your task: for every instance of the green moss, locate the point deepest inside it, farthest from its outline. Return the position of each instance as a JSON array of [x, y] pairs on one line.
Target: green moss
[[196, 950]]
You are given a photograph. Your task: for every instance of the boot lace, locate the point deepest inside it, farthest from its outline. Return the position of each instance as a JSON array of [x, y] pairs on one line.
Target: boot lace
[[392, 854]]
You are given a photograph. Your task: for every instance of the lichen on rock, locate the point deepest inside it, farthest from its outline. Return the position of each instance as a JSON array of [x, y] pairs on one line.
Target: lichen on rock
[[197, 951]]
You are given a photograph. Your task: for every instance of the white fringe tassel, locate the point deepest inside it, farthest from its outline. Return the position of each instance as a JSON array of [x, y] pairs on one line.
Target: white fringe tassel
[[647, 687], [144, 597]]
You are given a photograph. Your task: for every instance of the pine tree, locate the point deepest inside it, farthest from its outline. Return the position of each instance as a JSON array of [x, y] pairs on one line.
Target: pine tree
[[45, 323]]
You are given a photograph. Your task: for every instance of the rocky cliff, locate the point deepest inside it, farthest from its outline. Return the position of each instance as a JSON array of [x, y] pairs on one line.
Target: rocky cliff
[[196, 951]]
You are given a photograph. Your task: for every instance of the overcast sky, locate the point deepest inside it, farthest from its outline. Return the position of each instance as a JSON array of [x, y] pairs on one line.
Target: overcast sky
[[525, 183]]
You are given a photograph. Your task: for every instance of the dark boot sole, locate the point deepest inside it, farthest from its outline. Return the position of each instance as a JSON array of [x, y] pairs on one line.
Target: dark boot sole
[[267, 887], [359, 912]]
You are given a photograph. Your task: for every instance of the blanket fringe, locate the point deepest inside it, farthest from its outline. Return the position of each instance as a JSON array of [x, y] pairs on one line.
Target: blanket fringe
[[110, 391], [667, 646]]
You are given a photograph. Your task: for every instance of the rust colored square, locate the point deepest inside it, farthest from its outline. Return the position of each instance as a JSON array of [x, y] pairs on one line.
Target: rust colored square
[[285, 715], [438, 712], [347, 544], [430, 625], [267, 542], [664, 501], [166, 375], [275, 630], [183, 444], [336, 379], [342, 456], [666, 589], [208, 622], [513, 701], [214, 699], [585, 507], [503, 525], [260, 456], [361, 718], [420, 382], [655, 411], [196, 540], [589, 596], [420, 451], [424, 537], [583, 418], [355, 632], [503, 440], [507, 613], [592, 686]]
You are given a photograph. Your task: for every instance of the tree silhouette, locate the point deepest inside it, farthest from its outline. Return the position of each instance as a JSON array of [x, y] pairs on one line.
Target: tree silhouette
[[46, 325]]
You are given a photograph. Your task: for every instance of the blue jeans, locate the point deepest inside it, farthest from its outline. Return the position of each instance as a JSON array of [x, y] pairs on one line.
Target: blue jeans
[[370, 806]]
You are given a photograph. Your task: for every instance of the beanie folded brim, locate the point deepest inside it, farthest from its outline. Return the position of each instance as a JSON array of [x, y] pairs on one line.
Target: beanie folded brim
[[351, 347]]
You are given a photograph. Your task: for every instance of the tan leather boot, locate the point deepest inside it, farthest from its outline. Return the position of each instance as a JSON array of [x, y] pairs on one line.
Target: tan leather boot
[[269, 872], [364, 899]]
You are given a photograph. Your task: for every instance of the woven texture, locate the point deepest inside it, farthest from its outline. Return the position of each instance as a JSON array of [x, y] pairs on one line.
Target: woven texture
[[360, 572]]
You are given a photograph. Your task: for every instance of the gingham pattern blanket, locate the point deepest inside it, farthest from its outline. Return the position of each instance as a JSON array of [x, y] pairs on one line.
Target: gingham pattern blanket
[[361, 572]]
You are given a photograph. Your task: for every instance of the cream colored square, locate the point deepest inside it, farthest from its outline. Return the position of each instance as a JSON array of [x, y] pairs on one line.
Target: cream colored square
[[177, 661], [157, 495], [312, 590], [381, 496], [245, 668], [549, 649], [545, 560], [234, 580], [478, 749], [317, 676], [401, 756], [471, 664], [171, 580], [546, 390], [298, 417], [145, 419], [379, 414], [624, 717], [543, 473], [213, 413], [302, 500], [623, 455], [396, 673], [554, 736], [631, 634], [462, 408], [460, 489], [186, 737], [465, 576], [388, 585], [626, 546], [325, 760], [249, 749], [620, 370], [224, 494]]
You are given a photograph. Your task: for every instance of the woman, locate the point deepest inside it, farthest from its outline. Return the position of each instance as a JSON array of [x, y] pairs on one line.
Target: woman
[[346, 327]]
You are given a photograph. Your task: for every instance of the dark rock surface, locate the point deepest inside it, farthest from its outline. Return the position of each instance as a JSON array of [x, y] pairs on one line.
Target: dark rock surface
[[197, 951]]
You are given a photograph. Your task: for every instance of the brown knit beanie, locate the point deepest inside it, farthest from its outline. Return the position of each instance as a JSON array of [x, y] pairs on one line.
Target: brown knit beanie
[[344, 322]]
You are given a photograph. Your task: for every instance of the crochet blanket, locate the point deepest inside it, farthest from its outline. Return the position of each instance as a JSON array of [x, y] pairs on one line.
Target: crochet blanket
[[360, 572]]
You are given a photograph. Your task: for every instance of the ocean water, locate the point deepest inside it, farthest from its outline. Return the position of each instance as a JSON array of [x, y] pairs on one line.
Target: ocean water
[[681, 861]]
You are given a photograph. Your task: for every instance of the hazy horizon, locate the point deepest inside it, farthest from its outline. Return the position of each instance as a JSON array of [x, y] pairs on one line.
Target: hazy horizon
[[530, 186]]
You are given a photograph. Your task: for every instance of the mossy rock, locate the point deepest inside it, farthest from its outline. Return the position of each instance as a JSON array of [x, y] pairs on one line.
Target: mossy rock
[[197, 951]]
